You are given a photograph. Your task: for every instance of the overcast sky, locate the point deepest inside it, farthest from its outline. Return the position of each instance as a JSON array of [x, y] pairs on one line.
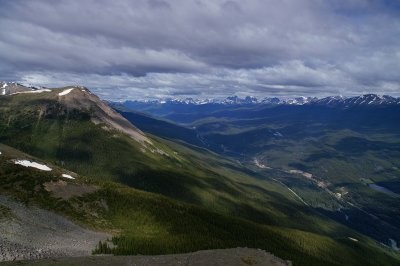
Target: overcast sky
[[126, 49]]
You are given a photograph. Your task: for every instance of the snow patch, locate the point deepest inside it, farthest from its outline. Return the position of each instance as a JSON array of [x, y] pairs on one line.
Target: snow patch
[[65, 92], [32, 91], [27, 163], [67, 176], [37, 91], [4, 85], [353, 239]]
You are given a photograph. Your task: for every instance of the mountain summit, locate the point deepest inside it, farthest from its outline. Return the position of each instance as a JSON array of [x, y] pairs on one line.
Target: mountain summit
[[72, 98], [77, 97]]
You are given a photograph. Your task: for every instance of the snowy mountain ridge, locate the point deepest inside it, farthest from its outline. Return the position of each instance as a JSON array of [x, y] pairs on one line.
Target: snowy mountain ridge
[[366, 99]]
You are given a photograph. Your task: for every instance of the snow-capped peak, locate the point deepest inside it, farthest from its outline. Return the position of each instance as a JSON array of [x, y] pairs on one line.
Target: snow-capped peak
[[366, 99]]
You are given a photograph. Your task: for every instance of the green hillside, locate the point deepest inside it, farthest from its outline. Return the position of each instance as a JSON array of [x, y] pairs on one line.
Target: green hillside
[[147, 223], [68, 138], [229, 205]]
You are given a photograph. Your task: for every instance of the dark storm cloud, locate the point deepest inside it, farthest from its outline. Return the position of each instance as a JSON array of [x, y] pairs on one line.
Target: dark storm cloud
[[156, 47]]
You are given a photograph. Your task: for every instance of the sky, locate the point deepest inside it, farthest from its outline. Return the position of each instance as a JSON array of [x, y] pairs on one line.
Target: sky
[[126, 49]]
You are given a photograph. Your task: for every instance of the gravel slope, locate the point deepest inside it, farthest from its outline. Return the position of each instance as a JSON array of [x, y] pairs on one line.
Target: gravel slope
[[217, 257], [33, 233], [34, 236]]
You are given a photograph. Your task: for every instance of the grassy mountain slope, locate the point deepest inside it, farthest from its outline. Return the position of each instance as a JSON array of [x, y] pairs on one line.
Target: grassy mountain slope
[[76, 136], [148, 223], [68, 137]]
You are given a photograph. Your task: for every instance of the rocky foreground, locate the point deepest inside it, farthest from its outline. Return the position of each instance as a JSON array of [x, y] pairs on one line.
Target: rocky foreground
[[33, 236], [33, 233], [217, 257]]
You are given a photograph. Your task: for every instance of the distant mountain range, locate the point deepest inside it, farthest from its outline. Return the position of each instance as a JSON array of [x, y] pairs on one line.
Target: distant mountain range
[[367, 99], [7, 88]]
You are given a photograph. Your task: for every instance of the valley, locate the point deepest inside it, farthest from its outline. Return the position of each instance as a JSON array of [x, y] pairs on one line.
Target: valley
[[328, 152]]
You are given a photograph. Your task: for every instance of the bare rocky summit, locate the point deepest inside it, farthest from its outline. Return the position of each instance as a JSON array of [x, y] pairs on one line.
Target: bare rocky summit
[[80, 97]]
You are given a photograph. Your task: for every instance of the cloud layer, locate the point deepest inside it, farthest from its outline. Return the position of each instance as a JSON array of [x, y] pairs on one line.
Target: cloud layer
[[155, 48]]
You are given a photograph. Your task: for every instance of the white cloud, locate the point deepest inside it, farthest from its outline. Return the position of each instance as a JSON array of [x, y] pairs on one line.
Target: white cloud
[[199, 48], [292, 78]]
